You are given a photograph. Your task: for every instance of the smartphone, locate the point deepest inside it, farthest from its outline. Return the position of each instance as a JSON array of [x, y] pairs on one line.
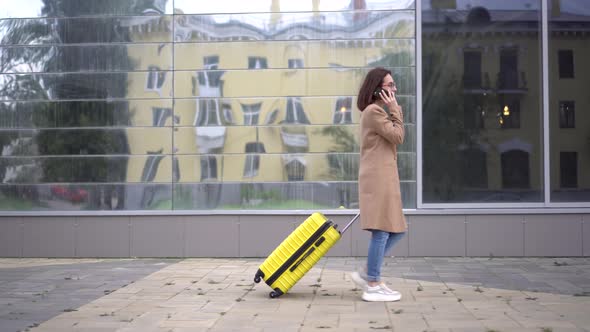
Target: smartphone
[[378, 91]]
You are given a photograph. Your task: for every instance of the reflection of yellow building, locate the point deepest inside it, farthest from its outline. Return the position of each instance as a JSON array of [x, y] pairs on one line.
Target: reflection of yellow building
[[253, 98], [499, 92]]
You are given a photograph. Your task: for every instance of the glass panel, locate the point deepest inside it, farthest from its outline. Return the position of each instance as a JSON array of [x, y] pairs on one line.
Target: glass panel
[[284, 82], [266, 6], [153, 84], [85, 141], [94, 113], [151, 167], [298, 54], [482, 119], [86, 30], [73, 58], [272, 111], [569, 119], [276, 196], [295, 26], [53, 8], [85, 196]]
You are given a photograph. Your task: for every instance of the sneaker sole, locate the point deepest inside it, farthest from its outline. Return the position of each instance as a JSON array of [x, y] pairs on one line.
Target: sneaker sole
[[379, 298]]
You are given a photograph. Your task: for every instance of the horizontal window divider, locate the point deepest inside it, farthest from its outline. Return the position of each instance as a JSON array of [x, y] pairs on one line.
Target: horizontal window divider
[[281, 97], [349, 68], [82, 128], [88, 156], [184, 70], [87, 16], [85, 72], [226, 70], [297, 41], [89, 44], [408, 10], [303, 212], [140, 43], [348, 11], [85, 100], [202, 42]]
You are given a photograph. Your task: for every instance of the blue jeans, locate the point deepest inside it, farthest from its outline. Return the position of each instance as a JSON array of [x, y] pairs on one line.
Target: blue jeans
[[381, 243]]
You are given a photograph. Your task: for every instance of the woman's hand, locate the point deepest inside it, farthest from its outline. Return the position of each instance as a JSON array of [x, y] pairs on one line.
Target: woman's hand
[[388, 98], [390, 101]]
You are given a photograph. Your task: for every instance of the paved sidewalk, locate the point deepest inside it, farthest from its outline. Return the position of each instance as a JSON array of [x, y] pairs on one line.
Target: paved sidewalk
[[439, 294]]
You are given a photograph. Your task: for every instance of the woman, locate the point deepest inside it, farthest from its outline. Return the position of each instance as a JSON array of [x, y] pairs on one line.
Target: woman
[[382, 130]]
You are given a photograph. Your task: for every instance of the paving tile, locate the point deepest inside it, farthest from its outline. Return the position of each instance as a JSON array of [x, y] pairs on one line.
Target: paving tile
[[203, 294]]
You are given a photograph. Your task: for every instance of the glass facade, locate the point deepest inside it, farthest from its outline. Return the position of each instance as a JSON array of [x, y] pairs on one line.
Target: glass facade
[[482, 103], [138, 105], [569, 103], [189, 105], [482, 106]]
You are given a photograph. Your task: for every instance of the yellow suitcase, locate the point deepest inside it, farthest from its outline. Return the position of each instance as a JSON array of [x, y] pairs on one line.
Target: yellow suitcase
[[298, 253]]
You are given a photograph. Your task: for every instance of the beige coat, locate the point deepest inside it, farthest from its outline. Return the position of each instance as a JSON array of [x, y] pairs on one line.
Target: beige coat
[[379, 188]]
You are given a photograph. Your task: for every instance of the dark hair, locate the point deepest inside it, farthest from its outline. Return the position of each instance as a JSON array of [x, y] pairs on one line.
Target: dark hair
[[373, 80]]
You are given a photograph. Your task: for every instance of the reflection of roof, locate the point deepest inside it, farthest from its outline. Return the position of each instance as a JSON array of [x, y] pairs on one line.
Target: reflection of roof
[[501, 20], [293, 26]]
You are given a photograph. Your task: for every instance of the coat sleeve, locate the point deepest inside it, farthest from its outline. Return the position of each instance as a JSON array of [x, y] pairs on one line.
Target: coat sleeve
[[391, 129]]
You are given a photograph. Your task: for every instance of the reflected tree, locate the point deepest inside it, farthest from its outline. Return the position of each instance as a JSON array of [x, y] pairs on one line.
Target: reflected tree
[[78, 113], [444, 130], [343, 160]]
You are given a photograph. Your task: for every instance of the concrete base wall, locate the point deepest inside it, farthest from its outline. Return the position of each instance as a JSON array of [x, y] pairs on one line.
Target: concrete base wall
[[257, 235]]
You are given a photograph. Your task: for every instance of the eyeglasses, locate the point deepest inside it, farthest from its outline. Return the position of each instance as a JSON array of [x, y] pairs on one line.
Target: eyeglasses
[[390, 85]]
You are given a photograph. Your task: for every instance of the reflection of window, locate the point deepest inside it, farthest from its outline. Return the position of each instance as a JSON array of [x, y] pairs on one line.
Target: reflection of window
[[295, 63], [155, 78], [567, 114], [568, 169], [256, 62], [512, 120], [253, 158], [472, 69], [175, 169], [151, 166], [209, 77], [515, 169], [160, 115], [208, 168], [343, 111], [271, 117], [208, 113], [251, 113], [475, 168], [473, 111], [295, 113], [227, 113], [295, 168], [508, 69], [566, 63]]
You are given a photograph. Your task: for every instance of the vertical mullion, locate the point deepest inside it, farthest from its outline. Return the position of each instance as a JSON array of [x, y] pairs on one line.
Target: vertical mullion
[[418, 103], [173, 156], [545, 71]]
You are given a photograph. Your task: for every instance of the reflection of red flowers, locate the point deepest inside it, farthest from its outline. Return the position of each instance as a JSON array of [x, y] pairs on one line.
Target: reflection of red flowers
[[74, 195]]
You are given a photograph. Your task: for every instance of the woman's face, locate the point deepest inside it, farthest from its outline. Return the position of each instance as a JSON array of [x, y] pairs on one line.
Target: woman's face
[[389, 84]]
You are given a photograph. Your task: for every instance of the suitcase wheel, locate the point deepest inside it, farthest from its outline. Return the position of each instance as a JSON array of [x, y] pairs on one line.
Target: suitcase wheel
[[257, 277], [275, 293]]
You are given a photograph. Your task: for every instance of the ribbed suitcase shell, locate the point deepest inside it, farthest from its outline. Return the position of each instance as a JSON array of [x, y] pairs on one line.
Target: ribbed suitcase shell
[[305, 260]]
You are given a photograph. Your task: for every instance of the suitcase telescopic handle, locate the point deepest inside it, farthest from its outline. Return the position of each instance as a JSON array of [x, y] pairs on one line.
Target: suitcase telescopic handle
[[350, 223]]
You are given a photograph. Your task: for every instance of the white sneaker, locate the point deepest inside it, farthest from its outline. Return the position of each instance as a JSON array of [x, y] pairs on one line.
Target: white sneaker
[[358, 280], [390, 290], [380, 294]]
